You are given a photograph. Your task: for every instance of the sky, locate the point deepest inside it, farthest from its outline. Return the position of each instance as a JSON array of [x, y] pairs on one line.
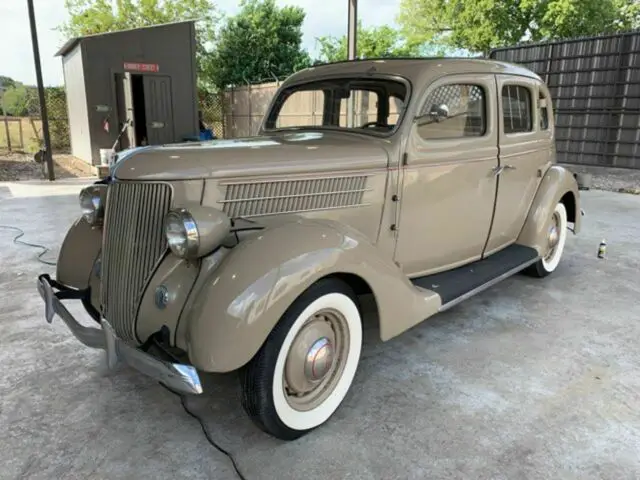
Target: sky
[[325, 17]]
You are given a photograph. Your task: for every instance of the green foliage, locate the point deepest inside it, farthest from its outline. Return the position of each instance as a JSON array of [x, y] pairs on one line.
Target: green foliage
[[262, 42], [7, 82], [58, 118], [18, 100], [88, 17], [377, 42], [485, 24]]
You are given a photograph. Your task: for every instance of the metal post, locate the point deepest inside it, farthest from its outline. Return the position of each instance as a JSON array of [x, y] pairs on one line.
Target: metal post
[[352, 35], [352, 32], [43, 106]]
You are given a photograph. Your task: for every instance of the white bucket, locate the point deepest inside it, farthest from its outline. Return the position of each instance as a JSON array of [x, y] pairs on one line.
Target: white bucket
[[106, 156]]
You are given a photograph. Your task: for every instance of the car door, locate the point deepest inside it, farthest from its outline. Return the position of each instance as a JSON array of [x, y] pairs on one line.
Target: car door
[[448, 187], [526, 149]]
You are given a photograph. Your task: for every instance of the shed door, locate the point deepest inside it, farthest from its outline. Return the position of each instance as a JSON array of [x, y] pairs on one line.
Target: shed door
[[158, 109], [124, 98]]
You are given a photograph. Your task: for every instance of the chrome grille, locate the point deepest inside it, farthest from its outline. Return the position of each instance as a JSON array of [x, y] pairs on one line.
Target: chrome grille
[[133, 243], [293, 196]]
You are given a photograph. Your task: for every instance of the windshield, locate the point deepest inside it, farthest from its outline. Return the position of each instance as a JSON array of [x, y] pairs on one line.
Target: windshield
[[376, 105]]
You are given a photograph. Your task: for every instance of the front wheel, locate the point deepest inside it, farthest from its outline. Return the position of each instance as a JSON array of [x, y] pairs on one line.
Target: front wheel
[[303, 371], [556, 238]]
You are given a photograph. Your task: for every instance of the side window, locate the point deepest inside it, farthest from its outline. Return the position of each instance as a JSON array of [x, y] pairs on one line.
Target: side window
[[516, 109], [543, 112], [302, 108], [365, 107], [454, 111]]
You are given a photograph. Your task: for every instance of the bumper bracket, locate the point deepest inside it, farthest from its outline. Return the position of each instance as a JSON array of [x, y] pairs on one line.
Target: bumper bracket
[[180, 377]]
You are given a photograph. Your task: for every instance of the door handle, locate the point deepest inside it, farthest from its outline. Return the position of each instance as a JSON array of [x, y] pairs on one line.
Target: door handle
[[498, 170]]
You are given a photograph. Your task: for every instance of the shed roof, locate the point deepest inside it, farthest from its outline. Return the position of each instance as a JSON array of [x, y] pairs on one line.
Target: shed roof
[[73, 42]]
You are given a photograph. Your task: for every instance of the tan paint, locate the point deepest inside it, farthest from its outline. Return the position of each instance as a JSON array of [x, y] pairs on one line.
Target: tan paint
[[557, 182], [235, 306], [522, 155], [78, 253], [277, 154], [444, 176], [432, 214], [178, 276]]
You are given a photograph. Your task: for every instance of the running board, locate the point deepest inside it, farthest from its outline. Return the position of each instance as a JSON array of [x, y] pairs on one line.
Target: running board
[[457, 285]]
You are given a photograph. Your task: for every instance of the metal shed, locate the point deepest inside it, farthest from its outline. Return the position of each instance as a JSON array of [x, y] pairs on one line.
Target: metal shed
[[141, 80]]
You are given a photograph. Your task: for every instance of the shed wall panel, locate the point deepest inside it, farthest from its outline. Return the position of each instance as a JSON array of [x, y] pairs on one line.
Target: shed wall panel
[[79, 133], [171, 47]]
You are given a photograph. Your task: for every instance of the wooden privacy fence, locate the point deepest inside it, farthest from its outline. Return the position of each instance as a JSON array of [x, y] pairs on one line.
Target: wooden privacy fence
[[595, 86], [244, 107]]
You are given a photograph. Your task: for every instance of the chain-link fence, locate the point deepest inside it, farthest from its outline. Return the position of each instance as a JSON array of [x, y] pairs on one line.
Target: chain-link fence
[[233, 113], [21, 125]]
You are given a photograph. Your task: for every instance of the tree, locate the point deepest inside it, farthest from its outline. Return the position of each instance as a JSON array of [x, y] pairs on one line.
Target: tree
[[485, 24], [376, 42], [18, 100], [261, 42], [6, 82], [88, 17]]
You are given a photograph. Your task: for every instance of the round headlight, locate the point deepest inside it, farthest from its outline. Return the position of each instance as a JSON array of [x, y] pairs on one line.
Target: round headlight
[[91, 204], [182, 234]]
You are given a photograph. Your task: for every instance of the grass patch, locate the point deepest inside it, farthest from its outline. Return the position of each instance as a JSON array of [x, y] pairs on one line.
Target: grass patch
[[24, 134]]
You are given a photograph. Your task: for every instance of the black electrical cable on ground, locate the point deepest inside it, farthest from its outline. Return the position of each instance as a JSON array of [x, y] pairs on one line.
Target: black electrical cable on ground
[[205, 430], [16, 240], [207, 433]]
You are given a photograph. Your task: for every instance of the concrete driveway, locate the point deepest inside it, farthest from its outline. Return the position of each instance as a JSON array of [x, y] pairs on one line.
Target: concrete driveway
[[531, 379]]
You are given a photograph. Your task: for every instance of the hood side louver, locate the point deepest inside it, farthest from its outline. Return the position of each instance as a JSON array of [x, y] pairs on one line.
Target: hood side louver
[[256, 199]]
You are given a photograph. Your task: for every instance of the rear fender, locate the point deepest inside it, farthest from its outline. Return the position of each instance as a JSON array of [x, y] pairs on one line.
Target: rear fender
[[78, 254], [558, 184], [238, 300]]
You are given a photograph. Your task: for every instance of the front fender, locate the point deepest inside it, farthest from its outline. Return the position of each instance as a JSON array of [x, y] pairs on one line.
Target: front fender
[[556, 185], [237, 301], [78, 253]]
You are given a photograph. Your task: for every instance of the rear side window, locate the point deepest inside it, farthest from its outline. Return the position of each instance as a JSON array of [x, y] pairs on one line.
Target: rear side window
[[516, 109], [454, 111]]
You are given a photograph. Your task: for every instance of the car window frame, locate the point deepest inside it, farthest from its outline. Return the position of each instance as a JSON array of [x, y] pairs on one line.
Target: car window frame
[[486, 95], [486, 80], [402, 117], [531, 87]]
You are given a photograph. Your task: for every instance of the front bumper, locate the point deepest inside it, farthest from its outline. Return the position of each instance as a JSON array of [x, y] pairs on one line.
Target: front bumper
[[177, 376]]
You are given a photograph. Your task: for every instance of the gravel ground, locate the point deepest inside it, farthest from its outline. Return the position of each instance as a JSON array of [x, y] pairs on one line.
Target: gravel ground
[[21, 166], [612, 179]]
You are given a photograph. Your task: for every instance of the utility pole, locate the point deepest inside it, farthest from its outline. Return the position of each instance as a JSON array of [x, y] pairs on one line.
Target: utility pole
[[352, 35], [43, 104]]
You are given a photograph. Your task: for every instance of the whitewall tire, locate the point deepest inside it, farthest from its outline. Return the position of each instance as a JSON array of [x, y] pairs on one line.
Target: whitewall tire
[[305, 368], [553, 249]]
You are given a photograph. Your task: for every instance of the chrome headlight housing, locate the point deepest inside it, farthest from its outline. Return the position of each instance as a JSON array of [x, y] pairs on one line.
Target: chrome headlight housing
[[196, 232], [92, 203], [182, 233]]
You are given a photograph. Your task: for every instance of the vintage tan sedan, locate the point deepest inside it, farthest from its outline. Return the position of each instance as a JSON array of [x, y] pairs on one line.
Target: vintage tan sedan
[[418, 182]]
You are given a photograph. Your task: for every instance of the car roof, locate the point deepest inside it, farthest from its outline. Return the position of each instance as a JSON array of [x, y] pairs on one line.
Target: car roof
[[418, 70]]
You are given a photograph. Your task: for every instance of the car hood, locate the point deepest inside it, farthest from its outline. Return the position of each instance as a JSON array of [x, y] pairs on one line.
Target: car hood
[[282, 153]]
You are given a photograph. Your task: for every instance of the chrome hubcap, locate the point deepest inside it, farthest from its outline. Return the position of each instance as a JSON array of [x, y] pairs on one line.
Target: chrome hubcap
[[319, 360], [315, 360], [553, 237]]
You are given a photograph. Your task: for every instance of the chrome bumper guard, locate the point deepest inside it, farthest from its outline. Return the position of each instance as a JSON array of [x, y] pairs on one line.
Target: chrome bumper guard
[[177, 376]]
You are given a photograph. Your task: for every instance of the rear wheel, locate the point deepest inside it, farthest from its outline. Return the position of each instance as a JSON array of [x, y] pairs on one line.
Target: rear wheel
[[305, 368], [556, 238]]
